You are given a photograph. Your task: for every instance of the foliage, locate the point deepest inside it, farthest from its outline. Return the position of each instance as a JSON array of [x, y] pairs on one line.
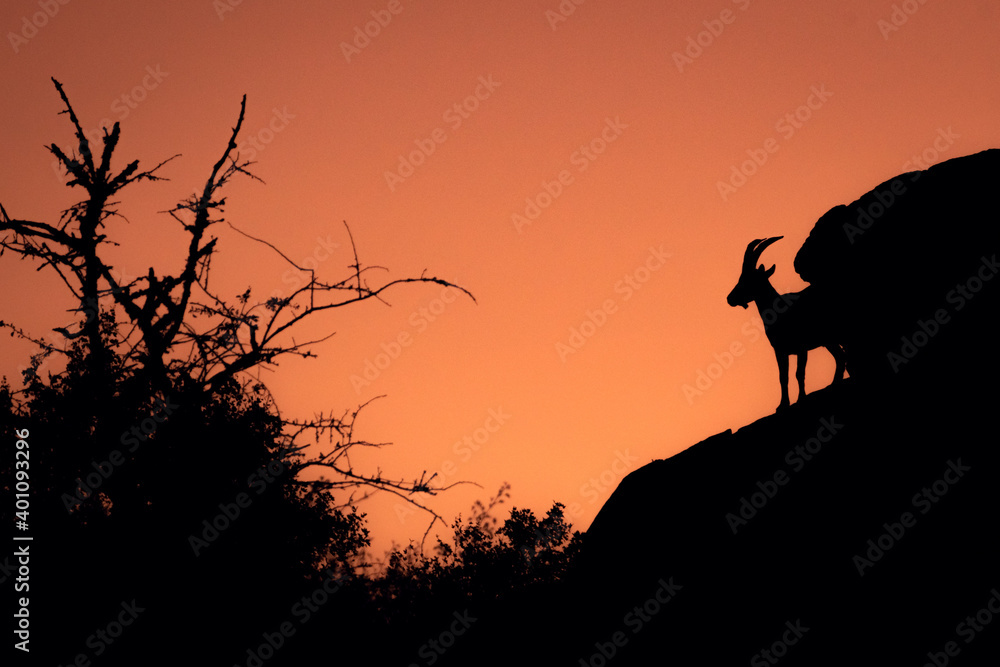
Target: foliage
[[485, 563], [163, 471], [164, 334]]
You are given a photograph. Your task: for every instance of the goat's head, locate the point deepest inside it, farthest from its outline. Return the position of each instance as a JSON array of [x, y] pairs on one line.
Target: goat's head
[[753, 277]]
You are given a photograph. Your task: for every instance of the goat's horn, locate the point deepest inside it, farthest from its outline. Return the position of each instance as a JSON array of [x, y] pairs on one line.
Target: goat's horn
[[748, 256], [757, 247]]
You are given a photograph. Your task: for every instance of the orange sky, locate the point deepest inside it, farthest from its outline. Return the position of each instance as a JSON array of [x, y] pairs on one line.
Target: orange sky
[[618, 123]]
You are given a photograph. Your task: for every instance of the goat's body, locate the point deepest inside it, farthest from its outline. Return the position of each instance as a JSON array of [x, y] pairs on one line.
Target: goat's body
[[794, 323]]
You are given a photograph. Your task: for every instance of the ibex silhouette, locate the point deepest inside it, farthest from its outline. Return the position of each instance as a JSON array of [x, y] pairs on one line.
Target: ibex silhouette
[[794, 323]]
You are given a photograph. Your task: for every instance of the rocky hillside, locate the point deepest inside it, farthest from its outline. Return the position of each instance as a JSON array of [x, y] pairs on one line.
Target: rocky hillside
[[861, 526], [919, 243]]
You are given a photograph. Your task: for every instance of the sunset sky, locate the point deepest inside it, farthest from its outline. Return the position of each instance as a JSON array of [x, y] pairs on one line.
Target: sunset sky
[[591, 172]]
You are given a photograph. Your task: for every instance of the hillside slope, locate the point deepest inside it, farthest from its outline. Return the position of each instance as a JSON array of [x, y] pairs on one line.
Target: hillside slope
[[859, 527]]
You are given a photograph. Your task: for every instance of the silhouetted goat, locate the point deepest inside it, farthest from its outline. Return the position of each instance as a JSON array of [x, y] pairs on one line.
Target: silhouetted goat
[[794, 323]]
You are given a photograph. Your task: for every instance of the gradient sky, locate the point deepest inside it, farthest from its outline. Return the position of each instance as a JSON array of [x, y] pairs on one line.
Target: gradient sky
[[618, 120]]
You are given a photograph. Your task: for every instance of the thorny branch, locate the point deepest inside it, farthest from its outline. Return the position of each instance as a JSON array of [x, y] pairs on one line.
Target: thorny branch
[[180, 329]]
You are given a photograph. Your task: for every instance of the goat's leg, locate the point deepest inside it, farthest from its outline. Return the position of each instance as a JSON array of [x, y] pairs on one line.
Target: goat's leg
[[800, 373], [840, 357], [783, 377]]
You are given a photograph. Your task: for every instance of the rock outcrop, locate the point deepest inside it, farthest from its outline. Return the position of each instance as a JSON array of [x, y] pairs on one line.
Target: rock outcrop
[[860, 526]]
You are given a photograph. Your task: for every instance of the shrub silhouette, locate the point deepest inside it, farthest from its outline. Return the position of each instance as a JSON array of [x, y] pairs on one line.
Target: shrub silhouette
[[164, 476], [161, 470], [489, 571]]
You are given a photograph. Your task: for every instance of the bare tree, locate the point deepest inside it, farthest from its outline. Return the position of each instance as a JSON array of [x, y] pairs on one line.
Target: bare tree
[[181, 332]]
